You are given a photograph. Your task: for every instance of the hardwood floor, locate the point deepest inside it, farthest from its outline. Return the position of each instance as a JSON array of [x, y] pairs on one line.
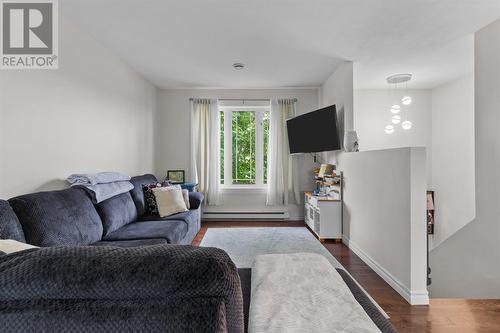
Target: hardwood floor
[[442, 315]]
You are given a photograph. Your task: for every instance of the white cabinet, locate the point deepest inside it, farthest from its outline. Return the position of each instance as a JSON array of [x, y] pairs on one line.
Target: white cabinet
[[323, 216]]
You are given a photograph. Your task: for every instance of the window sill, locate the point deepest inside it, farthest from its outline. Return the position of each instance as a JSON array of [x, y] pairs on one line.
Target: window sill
[[244, 188]]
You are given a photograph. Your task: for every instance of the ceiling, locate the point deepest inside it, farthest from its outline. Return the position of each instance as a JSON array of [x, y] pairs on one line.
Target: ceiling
[[286, 43]]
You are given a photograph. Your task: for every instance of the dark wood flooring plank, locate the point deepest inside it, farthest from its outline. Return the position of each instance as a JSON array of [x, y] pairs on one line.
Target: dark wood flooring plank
[[441, 316]]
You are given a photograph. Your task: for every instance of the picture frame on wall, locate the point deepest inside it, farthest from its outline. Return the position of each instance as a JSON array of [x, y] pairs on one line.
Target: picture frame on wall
[[176, 176]]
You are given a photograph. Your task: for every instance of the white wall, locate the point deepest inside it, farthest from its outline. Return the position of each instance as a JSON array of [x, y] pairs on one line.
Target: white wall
[[338, 90], [384, 210], [467, 265], [371, 115], [453, 157], [92, 114], [384, 201], [172, 141]]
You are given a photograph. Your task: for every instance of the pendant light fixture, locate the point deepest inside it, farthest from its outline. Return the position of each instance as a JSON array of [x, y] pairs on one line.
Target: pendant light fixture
[[401, 102], [406, 100], [389, 129], [406, 125], [395, 108]]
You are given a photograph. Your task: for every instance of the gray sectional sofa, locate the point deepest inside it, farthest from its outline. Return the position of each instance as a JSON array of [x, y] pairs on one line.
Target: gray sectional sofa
[[158, 288], [112, 268], [69, 218]]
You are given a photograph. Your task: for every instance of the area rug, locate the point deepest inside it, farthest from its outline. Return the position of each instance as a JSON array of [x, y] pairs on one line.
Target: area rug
[[244, 244]]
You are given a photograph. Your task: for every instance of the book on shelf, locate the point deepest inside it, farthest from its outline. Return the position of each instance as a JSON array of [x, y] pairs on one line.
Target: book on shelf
[[326, 170]]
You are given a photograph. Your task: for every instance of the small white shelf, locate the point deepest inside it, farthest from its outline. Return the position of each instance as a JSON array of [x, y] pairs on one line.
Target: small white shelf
[[323, 215]]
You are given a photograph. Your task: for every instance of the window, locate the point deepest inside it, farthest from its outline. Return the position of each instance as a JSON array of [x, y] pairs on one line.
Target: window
[[244, 145]]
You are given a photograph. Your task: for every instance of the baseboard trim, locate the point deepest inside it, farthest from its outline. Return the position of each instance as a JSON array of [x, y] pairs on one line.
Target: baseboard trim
[[246, 215], [413, 298], [296, 217], [419, 298]]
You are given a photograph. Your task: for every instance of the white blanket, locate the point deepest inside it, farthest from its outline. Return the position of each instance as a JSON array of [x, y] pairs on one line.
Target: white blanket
[[302, 292], [97, 178]]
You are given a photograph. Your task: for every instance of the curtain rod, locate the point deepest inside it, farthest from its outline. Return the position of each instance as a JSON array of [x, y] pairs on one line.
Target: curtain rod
[[244, 99]]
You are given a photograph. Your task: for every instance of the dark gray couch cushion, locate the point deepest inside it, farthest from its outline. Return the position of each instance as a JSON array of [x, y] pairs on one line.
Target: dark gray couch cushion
[[246, 288], [65, 217], [137, 193], [195, 199], [191, 218], [116, 212], [10, 228], [132, 243], [171, 231], [193, 221], [187, 217], [159, 288], [366, 303]]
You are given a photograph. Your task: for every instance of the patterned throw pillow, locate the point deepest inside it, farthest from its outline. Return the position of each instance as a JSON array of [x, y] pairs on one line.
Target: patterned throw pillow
[[149, 197]]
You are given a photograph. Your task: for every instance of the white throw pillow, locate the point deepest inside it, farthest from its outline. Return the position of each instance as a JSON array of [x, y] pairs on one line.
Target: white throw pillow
[[10, 246], [170, 200], [185, 194]]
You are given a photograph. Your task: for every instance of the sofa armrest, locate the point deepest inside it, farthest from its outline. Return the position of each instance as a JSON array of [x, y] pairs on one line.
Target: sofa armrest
[[172, 282], [93, 272], [195, 199]]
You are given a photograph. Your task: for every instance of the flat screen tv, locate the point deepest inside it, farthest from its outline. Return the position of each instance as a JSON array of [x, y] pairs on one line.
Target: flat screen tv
[[314, 132]]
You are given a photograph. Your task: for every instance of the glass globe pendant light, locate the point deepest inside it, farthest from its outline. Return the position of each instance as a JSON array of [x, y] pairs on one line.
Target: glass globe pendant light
[[399, 111], [406, 100], [406, 125], [389, 129], [395, 109]]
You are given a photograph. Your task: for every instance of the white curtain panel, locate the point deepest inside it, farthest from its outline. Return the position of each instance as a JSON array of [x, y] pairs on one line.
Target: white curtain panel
[[205, 148], [282, 181]]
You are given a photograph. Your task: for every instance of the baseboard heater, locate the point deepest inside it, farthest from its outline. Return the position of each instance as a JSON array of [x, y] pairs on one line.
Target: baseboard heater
[[246, 215]]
